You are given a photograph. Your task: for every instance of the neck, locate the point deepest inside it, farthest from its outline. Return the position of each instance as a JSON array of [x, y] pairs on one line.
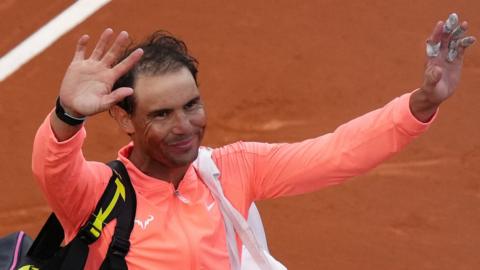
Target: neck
[[172, 174]]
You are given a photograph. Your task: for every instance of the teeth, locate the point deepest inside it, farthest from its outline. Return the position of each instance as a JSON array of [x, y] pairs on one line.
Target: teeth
[[433, 49], [451, 23]]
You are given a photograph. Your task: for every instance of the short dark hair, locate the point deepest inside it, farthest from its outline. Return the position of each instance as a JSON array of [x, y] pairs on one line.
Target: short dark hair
[[162, 53]]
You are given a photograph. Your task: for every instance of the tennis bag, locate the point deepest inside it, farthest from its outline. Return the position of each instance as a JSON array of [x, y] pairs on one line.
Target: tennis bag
[[47, 253], [13, 250]]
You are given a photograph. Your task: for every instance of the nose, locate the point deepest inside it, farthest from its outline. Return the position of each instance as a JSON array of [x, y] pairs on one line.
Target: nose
[[182, 124]]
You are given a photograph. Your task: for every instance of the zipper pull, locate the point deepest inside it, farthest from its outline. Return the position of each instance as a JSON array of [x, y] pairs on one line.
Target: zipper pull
[[181, 197]]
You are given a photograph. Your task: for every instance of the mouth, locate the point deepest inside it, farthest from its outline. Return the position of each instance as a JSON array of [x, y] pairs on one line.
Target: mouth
[[182, 145]]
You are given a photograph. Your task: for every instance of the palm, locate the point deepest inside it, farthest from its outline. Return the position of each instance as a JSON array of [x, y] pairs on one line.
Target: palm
[[86, 87], [450, 76]]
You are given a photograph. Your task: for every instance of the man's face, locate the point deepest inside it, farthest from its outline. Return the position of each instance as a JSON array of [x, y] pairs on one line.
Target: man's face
[[169, 119]]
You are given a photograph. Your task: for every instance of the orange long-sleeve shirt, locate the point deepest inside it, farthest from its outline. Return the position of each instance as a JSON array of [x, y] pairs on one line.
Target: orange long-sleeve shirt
[[183, 228]]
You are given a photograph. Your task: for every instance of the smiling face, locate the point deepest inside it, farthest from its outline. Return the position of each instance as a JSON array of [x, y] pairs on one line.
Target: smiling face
[[168, 123]]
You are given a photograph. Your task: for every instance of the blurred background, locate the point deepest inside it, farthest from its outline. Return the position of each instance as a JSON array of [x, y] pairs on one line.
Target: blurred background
[[283, 71]]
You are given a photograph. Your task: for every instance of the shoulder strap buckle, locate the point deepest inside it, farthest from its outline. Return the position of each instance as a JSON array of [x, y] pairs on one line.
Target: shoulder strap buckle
[[89, 233], [119, 246]]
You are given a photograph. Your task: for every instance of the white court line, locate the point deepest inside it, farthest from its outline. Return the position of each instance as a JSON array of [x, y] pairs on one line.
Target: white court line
[[45, 36]]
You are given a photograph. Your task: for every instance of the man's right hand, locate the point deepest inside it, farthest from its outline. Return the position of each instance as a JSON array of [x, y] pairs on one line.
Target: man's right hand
[[87, 85]]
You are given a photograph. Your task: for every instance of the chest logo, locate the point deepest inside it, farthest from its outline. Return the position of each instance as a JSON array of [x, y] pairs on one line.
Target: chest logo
[[144, 224], [210, 206]]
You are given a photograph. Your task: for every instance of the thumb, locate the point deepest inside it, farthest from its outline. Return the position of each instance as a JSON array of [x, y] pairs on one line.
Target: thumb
[[116, 96], [433, 74]]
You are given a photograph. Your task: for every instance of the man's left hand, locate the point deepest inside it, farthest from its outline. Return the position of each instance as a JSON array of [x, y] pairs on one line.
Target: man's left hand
[[445, 52]]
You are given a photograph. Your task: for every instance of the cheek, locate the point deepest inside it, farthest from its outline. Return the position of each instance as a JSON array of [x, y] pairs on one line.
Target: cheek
[[199, 119], [154, 134]]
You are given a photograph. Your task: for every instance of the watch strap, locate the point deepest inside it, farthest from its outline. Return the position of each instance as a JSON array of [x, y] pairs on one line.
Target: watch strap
[[65, 117]]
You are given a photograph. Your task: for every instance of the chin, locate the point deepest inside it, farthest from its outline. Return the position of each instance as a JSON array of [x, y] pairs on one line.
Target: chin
[[185, 159]]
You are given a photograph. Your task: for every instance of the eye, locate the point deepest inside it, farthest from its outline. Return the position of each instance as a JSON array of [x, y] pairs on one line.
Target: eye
[[192, 105], [161, 114]]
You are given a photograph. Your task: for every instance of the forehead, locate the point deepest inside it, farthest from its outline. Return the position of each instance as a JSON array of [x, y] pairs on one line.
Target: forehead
[[169, 90]]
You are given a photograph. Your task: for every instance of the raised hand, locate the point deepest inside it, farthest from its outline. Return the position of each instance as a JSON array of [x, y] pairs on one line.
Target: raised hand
[[445, 51], [87, 85]]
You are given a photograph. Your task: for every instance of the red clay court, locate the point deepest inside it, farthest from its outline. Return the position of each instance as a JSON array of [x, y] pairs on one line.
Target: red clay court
[[282, 71]]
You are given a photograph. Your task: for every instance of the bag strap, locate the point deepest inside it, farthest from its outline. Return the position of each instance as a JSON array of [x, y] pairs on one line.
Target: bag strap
[[48, 240], [120, 244], [117, 201], [210, 173]]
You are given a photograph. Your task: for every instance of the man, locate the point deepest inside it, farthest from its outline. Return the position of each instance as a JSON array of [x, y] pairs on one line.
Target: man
[[180, 225]]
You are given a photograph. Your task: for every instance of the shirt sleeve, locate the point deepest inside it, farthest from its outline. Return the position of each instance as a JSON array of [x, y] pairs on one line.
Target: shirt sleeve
[[273, 170], [71, 185]]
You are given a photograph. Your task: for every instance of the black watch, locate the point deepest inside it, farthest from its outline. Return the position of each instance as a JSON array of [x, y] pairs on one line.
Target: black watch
[[65, 117]]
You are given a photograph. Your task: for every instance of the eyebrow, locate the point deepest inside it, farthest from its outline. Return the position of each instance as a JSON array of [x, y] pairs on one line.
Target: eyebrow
[[193, 100], [167, 110], [156, 112]]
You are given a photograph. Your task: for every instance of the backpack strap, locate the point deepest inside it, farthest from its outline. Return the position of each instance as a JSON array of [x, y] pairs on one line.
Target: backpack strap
[[117, 201], [120, 245]]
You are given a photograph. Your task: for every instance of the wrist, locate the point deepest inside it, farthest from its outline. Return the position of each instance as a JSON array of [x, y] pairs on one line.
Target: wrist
[[70, 118], [421, 106]]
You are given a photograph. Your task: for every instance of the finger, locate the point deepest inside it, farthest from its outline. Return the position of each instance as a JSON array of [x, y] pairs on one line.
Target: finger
[[434, 41], [448, 26], [463, 44], [118, 47], [455, 50], [437, 33], [452, 50], [116, 96], [101, 44], [127, 63], [451, 23], [467, 41], [433, 74], [81, 47], [433, 48], [459, 30]]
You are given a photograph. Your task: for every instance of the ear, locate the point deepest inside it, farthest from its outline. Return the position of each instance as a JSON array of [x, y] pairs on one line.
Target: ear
[[123, 119]]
